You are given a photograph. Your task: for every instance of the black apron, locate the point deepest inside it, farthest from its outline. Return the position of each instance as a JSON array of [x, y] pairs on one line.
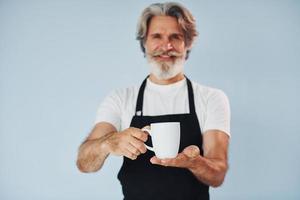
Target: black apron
[[142, 180]]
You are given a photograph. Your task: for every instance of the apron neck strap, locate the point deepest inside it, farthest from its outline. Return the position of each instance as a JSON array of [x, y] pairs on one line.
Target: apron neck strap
[[140, 99], [191, 96]]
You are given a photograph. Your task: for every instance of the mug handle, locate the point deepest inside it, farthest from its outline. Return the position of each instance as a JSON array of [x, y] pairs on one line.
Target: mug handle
[[148, 131]]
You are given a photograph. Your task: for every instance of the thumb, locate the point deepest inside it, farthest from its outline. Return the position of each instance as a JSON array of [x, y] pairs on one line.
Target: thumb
[[192, 151], [146, 127]]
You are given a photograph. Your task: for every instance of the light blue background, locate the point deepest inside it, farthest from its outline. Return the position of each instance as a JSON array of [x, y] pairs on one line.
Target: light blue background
[[59, 59]]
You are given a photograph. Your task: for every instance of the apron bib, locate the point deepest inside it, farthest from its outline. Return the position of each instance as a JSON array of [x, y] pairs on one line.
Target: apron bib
[[142, 180]]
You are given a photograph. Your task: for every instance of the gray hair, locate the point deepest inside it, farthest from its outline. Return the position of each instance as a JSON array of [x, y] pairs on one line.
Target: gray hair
[[185, 20]]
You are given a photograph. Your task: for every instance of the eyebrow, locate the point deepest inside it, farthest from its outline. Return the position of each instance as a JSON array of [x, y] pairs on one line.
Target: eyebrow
[[177, 34], [154, 34], [172, 34]]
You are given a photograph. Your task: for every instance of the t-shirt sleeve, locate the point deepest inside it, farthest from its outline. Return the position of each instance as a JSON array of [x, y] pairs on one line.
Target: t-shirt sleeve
[[218, 112], [110, 110]]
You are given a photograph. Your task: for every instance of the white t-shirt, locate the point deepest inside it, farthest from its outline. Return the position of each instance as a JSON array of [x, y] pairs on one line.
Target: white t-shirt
[[212, 105]]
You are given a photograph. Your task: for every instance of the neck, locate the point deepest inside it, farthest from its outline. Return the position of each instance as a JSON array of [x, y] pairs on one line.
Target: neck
[[174, 79]]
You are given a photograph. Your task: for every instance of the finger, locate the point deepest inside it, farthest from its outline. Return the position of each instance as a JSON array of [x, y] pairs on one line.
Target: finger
[[138, 145], [155, 160], [139, 134], [147, 127], [179, 161], [129, 155], [132, 149], [163, 162], [192, 151], [168, 162]]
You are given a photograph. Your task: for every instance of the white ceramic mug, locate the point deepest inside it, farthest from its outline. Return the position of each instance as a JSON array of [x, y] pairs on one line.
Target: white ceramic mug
[[165, 139]]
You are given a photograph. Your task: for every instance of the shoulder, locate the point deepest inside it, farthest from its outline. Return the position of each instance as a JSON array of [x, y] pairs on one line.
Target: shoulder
[[208, 94], [214, 106], [123, 95], [124, 92]]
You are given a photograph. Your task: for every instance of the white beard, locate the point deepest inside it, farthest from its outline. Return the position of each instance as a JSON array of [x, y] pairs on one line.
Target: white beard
[[165, 70]]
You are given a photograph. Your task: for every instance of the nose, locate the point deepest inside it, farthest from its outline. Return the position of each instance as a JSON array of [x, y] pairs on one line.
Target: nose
[[167, 46]]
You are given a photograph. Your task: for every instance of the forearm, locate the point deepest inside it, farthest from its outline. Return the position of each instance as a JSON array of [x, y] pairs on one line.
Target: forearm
[[92, 154], [209, 171]]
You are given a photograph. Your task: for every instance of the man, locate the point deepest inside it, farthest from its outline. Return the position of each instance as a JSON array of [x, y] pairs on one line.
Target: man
[[166, 33]]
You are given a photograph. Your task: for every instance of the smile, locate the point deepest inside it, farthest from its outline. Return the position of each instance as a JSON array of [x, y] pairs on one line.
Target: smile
[[164, 57]]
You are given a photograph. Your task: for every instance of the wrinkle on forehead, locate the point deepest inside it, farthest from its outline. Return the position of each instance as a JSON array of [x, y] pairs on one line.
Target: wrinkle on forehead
[[164, 25]]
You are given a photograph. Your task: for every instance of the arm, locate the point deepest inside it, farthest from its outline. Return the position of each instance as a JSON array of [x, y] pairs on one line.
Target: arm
[[93, 152], [104, 140], [210, 168]]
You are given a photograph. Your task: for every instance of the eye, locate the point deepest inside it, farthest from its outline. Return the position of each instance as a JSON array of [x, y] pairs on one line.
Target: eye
[[176, 37], [156, 36]]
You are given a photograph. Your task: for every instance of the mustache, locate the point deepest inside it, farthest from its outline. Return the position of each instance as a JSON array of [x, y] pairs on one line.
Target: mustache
[[167, 53]]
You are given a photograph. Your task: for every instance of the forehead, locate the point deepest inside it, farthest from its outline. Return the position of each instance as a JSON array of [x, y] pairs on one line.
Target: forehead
[[164, 24]]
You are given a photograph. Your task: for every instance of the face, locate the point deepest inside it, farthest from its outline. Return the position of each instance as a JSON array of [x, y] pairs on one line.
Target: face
[[165, 47]]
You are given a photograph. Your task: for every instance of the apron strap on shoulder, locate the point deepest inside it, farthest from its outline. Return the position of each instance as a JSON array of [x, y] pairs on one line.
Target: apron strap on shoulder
[[140, 99]]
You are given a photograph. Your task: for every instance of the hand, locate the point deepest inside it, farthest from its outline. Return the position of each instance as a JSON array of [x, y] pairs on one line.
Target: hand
[[128, 143], [183, 160]]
